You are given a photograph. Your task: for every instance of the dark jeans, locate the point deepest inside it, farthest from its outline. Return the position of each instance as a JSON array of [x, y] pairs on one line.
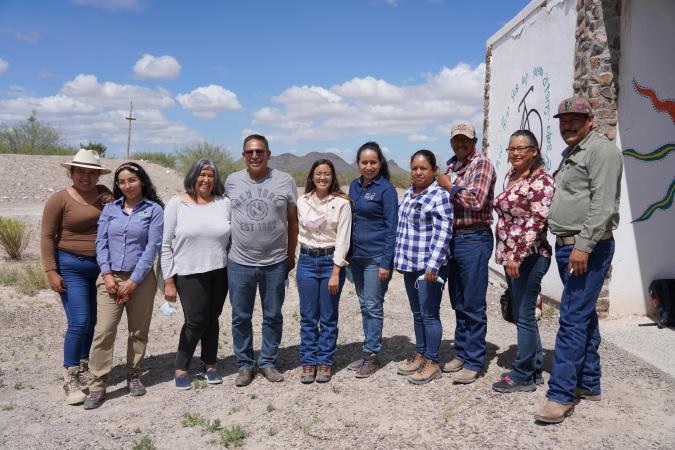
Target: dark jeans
[[270, 281], [467, 284], [370, 291], [577, 362], [425, 304], [202, 296], [318, 309], [79, 274], [524, 292]]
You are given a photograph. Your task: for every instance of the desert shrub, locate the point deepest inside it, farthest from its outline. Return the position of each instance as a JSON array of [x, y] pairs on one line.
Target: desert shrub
[[14, 236], [145, 443], [400, 180], [232, 436], [9, 276], [33, 137], [31, 279], [189, 154], [163, 159]]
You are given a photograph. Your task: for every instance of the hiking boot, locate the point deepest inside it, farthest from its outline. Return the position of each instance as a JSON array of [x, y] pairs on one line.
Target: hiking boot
[[356, 365], [308, 374], [244, 377], [465, 376], [272, 374], [506, 386], [429, 371], [553, 412], [453, 366], [411, 365], [369, 366], [71, 387], [135, 385], [585, 394], [84, 375], [324, 373], [94, 399]]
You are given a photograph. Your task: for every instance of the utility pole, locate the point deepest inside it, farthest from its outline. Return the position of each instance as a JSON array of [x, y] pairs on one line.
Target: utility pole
[[130, 118]]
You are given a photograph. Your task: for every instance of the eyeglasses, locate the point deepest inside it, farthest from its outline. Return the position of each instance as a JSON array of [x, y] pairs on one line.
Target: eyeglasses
[[257, 151], [323, 175], [519, 149]]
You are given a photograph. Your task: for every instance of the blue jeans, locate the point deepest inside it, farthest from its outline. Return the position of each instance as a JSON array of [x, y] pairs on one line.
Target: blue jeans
[[370, 291], [577, 362], [79, 274], [318, 310], [467, 285], [425, 304], [243, 282], [524, 292]]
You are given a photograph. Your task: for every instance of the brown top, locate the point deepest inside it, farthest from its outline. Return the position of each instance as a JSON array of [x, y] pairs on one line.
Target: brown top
[[68, 225]]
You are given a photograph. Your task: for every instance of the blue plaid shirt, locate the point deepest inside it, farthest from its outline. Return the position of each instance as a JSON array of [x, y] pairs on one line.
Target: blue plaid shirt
[[424, 230]]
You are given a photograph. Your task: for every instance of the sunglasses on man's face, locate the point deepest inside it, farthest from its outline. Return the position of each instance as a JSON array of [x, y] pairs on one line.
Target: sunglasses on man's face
[[254, 151]]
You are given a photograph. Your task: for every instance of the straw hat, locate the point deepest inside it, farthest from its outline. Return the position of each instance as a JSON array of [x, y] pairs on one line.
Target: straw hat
[[89, 159]]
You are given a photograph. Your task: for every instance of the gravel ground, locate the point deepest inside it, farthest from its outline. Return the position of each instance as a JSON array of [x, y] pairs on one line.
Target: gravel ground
[[384, 411]]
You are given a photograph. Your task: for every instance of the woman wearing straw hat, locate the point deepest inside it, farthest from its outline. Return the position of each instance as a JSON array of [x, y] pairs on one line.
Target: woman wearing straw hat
[[68, 244]]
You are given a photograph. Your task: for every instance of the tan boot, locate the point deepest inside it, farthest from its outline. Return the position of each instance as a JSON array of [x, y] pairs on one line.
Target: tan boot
[[71, 387], [553, 412], [453, 366], [583, 394], [465, 376], [429, 371], [410, 365], [84, 375]]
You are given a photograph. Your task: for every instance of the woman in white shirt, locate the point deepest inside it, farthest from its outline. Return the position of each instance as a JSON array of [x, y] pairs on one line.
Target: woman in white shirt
[[325, 220], [194, 260]]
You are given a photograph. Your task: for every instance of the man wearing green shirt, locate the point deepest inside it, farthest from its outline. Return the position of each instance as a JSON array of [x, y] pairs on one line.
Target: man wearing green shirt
[[584, 211]]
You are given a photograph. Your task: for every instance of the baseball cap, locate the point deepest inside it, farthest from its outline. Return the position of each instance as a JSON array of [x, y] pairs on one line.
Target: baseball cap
[[463, 129], [574, 105]]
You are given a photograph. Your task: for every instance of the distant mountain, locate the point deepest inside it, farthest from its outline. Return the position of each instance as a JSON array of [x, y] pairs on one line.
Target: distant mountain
[[291, 163]]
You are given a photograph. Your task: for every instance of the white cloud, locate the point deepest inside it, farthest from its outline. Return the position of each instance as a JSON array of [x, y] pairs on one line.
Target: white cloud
[[112, 5], [113, 95], [392, 2], [157, 67], [375, 107], [207, 101], [3, 65], [28, 36], [421, 138]]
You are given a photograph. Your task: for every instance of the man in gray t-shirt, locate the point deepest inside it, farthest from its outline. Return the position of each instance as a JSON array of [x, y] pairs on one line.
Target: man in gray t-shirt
[[264, 237]]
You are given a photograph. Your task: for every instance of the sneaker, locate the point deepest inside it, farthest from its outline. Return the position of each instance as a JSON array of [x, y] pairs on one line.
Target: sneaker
[[212, 376], [244, 377], [272, 374], [506, 386], [71, 387], [429, 371], [94, 399], [585, 394], [135, 385], [369, 366], [453, 366], [84, 375], [356, 365], [324, 373], [465, 376], [308, 374], [183, 382], [553, 412], [411, 365]]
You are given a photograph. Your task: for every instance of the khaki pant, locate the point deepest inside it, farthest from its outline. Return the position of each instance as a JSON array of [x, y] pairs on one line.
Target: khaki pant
[[139, 314]]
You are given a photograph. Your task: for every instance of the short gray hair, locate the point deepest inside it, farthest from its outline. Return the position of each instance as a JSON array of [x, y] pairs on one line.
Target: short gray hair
[[190, 180]]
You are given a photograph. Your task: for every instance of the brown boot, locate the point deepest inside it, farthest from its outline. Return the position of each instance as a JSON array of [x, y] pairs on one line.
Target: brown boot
[[369, 366], [583, 394], [324, 373], [453, 366], [84, 375], [71, 387], [308, 374], [410, 365], [429, 371], [553, 412], [356, 365]]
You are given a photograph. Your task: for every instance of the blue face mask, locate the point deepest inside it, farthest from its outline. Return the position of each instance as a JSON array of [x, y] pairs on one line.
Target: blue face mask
[[438, 279]]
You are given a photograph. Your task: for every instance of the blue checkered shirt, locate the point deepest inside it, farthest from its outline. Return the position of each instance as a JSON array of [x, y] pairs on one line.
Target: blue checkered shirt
[[424, 230]]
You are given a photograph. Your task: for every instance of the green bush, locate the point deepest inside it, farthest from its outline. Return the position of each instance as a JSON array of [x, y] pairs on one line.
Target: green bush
[[14, 236], [189, 154], [233, 436], [163, 159], [9, 276], [32, 279], [400, 180]]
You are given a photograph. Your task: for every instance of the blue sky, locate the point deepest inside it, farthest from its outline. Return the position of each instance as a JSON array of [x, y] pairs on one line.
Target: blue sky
[[321, 75]]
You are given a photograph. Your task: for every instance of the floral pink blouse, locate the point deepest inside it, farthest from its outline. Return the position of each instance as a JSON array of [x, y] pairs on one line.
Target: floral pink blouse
[[523, 218]]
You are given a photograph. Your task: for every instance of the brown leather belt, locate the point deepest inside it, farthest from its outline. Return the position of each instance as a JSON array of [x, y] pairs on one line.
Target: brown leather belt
[[571, 240], [471, 228]]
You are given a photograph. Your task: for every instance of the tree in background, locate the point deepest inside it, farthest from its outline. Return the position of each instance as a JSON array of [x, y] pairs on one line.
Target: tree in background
[[188, 154], [96, 146], [32, 137]]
